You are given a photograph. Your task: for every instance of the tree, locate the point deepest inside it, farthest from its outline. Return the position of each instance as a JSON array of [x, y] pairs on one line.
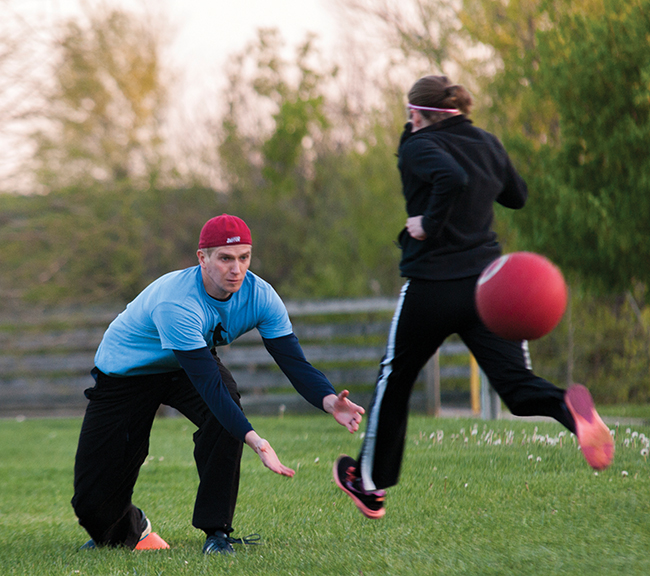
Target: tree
[[102, 120], [22, 57], [324, 203], [422, 29], [595, 67], [106, 226], [572, 92], [508, 32], [570, 97]]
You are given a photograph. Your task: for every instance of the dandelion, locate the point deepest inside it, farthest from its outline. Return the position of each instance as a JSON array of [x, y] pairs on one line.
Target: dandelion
[[628, 431], [624, 473], [440, 435], [530, 456], [317, 460], [644, 453], [635, 434], [539, 459]]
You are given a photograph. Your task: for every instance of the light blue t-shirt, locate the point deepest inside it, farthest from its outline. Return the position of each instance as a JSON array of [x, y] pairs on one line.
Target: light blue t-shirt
[[176, 313]]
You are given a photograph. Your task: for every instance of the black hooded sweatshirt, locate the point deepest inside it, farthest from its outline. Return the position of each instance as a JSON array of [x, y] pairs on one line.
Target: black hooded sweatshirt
[[452, 172]]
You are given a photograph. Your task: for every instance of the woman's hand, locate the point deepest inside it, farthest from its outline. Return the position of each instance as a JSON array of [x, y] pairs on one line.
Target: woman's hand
[[414, 227]]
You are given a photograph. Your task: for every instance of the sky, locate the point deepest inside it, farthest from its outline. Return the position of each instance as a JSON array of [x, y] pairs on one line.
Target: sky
[[209, 29], [206, 31]]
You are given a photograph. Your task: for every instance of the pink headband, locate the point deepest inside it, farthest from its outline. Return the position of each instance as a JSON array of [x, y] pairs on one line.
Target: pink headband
[[414, 107]]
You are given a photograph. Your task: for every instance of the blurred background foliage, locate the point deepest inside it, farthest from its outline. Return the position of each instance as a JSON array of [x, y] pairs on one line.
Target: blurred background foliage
[[303, 148]]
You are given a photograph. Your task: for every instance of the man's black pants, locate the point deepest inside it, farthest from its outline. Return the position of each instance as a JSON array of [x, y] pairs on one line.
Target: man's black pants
[[427, 313], [114, 443]]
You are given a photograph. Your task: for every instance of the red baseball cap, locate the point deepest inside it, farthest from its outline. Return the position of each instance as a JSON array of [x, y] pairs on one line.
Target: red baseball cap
[[224, 230]]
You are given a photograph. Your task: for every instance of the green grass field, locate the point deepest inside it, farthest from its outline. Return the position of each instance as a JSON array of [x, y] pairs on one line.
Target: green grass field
[[479, 498]]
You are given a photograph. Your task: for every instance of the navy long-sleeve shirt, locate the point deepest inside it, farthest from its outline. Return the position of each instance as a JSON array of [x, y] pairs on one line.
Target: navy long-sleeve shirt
[[204, 373]]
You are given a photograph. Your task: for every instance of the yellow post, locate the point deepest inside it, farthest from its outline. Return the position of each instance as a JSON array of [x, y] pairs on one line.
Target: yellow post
[[474, 385]]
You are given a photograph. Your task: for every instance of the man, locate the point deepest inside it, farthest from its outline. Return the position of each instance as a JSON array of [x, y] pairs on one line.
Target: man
[[158, 351]]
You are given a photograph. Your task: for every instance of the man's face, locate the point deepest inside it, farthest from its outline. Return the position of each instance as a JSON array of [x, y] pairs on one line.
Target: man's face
[[224, 271]]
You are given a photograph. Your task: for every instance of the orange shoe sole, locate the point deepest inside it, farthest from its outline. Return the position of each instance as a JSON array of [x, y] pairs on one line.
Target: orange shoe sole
[[593, 434]]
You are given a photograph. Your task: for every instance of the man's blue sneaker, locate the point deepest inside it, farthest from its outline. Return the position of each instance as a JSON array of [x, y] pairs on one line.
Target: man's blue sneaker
[[221, 543], [218, 543]]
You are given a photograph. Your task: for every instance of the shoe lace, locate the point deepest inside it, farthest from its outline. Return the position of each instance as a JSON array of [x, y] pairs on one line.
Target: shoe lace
[[251, 539], [350, 475]]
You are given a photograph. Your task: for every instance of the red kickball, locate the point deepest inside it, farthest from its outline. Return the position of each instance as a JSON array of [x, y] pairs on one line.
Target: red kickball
[[521, 296]]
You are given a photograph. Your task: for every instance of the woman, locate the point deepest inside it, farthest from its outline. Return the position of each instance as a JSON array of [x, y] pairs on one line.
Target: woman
[[452, 173]]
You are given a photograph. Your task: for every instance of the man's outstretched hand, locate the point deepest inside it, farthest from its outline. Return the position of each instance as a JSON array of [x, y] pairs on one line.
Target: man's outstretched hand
[[268, 456], [345, 412]]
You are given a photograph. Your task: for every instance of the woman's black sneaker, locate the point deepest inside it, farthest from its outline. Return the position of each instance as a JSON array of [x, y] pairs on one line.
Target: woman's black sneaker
[[371, 504]]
